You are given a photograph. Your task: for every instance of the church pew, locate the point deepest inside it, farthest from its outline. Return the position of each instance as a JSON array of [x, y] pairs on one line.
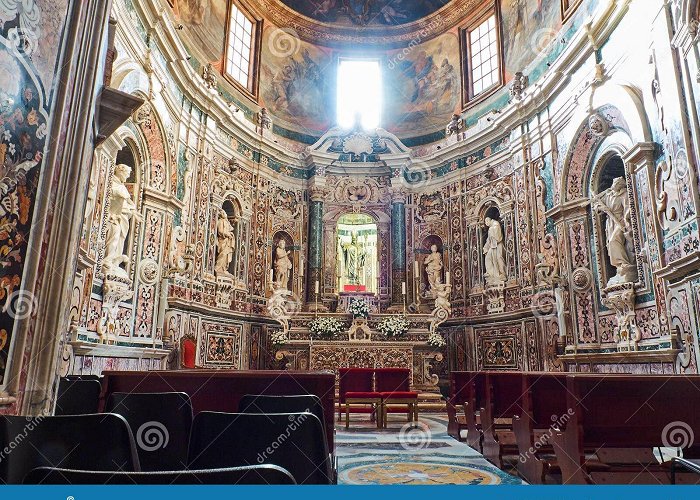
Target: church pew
[[458, 395], [501, 403], [468, 390], [222, 390], [542, 406], [623, 418]]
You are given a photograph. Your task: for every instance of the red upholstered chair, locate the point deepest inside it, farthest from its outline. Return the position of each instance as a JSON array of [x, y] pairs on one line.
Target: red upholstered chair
[[188, 350], [394, 386], [356, 387]]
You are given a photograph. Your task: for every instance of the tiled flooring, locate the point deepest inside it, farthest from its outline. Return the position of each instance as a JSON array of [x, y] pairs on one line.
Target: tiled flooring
[[400, 455]]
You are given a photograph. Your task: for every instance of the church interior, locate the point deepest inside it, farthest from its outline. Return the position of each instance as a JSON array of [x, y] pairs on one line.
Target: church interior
[[349, 242]]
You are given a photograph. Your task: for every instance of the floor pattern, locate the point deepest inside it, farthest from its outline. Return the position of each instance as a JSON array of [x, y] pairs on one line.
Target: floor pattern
[[400, 454]]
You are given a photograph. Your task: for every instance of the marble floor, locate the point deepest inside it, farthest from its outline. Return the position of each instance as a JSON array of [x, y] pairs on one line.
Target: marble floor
[[402, 455]]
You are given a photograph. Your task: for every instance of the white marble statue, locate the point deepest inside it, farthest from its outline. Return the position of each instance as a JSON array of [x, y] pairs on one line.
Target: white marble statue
[[355, 259], [225, 244], [121, 210], [495, 261], [618, 230], [283, 265], [433, 268]]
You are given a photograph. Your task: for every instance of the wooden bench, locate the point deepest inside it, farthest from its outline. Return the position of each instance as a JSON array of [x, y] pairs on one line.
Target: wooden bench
[[500, 405], [542, 407], [222, 390], [623, 418], [459, 386], [468, 390]]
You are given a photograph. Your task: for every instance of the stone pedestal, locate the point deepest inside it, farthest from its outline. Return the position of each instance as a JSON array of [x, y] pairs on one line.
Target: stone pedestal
[[620, 298], [116, 289], [495, 299]]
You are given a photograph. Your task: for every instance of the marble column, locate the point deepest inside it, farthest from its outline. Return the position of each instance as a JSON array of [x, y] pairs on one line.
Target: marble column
[[315, 249], [398, 248]]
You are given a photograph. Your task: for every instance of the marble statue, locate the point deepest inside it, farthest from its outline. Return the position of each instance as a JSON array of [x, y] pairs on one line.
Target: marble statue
[[443, 307], [495, 261], [618, 230], [121, 210], [225, 243], [282, 264], [433, 267]]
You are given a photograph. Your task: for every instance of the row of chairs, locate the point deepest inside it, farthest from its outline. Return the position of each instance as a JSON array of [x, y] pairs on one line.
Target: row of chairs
[[152, 438], [377, 391]]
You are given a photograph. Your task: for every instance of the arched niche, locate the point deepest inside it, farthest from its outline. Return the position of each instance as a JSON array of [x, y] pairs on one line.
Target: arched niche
[[277, 252], [423, 252], [129, 155], [357, 248]]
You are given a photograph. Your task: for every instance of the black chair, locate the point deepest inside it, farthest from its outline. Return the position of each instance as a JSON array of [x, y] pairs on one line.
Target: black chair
[[160, 423], [256, 474], [87, 442], [77, 396], [262, 403], [291, 440]]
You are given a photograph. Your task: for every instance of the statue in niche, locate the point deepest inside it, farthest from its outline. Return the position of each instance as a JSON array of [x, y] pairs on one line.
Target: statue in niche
[[495, 261], [433, 268], [618, 230], [121, 210], [354, 260], [283, 265], [225, 243]]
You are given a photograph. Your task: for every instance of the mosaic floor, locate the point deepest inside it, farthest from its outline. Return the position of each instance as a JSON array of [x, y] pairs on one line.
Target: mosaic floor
[[401, 455]]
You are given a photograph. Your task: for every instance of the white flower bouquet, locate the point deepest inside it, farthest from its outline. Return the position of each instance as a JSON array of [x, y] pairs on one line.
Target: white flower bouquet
[[393, 326], [436, 340], [326, 327], [278, 338], [359, 308]]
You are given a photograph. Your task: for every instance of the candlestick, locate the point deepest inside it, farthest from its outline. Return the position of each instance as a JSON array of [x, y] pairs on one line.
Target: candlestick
[[301, 268], [447, 278], [403, 288], [415, 268], [272, 276], [316, 286]]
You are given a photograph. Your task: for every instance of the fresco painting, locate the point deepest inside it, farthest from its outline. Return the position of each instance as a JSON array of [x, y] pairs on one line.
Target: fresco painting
[[366, 12], [422, 86], [205, 23]]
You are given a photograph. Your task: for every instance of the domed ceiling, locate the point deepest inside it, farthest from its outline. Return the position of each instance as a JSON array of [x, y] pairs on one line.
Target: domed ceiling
[[366, 12]]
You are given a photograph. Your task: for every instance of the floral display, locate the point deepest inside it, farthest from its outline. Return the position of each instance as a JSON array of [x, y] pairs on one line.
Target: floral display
[[436, 340], [358, 308], [393, 326], [278, 338], [327, 328]]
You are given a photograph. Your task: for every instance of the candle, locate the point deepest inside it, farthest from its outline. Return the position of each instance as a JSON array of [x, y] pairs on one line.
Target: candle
[[301, 268], [447, 278], [316, 286], [272, 276], [415, 268], [403, 288]]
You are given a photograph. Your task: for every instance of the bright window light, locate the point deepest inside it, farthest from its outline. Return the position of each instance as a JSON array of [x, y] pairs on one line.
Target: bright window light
[[359, 93]]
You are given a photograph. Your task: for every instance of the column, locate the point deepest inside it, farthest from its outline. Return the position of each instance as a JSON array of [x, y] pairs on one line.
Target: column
[[315, 249], [398, 248]]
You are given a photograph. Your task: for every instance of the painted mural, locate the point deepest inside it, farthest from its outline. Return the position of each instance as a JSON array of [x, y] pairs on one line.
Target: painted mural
[[205, 22], [366, 12], [422, 86], [529, 26], [295, 83]]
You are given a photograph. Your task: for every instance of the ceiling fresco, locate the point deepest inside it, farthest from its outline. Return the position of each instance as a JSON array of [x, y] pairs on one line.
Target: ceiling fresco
[[366, 12]]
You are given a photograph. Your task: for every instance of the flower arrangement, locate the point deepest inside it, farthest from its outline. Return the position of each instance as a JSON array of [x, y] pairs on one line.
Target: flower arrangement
[[358, 308], [326, 327], [436, 340], [278, 338], [393, 326]]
